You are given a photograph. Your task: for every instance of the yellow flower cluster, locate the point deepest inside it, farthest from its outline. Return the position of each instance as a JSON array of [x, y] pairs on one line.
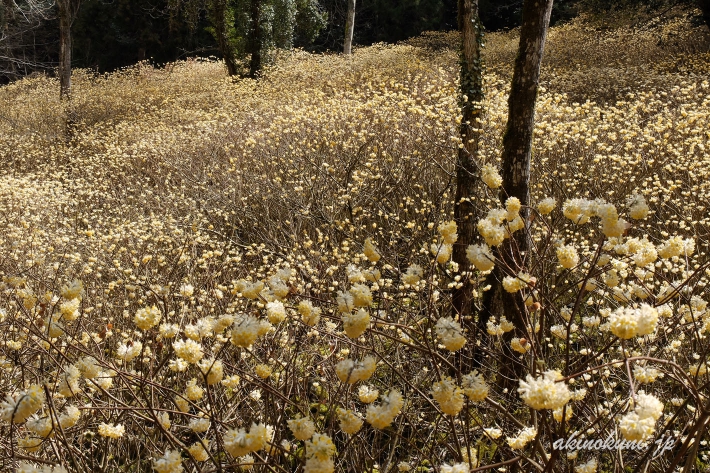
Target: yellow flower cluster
[[352, 371], [319, 452], [480, 256], [309, 313], [355, 323], [381, 416], [170, 462], [567, 256], [247, 329], [147, 317], [350, 422], [544, 392], [639, 424], [448, 396], [302, 428], [111, 431], [524, 437], [240, 442], [519, 282], [450, 333], [19, 407], [629, 322]]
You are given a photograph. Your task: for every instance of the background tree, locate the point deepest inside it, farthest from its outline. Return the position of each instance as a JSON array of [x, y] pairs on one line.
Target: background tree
[[311, 19], [497, 15], [25, 22], [254, 41], [222, 19], [109, 34], [652, 7], [704, 6], [349, 28], [68, 10], [275, 24], [249, 29]]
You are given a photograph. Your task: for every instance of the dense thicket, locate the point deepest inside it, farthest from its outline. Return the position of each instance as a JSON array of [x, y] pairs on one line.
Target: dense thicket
[[308, 214]]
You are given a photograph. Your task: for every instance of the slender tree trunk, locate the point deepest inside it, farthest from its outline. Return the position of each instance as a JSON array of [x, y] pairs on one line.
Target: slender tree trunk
[[255, 40], [65, 21], [517, 151], [467, 174], [349, 28], [219, 19]]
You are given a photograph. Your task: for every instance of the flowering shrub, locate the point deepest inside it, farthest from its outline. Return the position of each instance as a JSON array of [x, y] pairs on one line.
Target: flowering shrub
[[202, 275]]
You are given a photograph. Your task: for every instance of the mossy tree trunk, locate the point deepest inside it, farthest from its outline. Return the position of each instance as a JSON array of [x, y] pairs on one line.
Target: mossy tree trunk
[[218, 14], [467, 170], [349, 28], [514, 253]]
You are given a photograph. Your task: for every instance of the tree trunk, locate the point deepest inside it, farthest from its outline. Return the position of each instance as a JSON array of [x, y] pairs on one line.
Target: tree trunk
[[704, 6], [517, 141], [349, 28], [517, 150], [218, 14], [65, 21], [255, 40], [467, 175]]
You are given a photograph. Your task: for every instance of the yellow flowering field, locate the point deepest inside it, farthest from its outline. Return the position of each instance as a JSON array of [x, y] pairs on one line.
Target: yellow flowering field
[[203, 274]]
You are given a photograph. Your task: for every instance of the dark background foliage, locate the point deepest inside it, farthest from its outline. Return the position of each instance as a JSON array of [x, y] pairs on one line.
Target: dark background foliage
[[109, 34]]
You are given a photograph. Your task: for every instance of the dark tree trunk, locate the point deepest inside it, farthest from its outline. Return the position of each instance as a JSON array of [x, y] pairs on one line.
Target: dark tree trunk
[[467, 175], [68, 10], [704, 6], [517, 141], [255, 40], [517, 150], [218, 14], [65, 21], [349, 28]]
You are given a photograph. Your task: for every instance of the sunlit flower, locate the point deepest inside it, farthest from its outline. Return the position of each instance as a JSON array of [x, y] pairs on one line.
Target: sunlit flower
[[188, 350], [382, 415], [111, 430], [370, 251], [302, 428], [170, 462], [355, 323], [350, 422], [544, 392], [147, 317], [490, 176], [450, 333]]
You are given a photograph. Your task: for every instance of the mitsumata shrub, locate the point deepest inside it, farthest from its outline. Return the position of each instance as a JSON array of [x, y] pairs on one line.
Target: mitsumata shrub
[[206, 275]]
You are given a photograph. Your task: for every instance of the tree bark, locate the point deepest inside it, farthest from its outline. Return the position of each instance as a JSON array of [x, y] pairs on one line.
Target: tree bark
[[517, 151], [65, 22], [218, 14], [349, 28], [255, 40], [517, 141], [467, 175]]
